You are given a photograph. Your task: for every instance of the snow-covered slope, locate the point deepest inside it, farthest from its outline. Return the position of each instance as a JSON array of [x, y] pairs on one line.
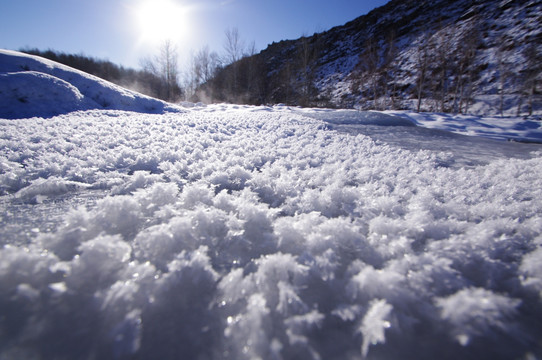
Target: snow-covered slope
[[33, 86], [472, 49]]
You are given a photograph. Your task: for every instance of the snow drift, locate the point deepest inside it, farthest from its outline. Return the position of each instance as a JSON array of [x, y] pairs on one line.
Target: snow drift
[[231, 232], [33, 86]]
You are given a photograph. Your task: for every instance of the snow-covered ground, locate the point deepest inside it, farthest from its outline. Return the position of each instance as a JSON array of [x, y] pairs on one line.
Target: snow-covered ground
[[236, 232]]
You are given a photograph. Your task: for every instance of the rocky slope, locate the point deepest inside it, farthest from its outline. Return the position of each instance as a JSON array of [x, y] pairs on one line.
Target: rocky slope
[[450, 55]]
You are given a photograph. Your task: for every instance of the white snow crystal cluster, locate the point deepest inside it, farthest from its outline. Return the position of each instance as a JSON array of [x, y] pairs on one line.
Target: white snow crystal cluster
[[230, 232]]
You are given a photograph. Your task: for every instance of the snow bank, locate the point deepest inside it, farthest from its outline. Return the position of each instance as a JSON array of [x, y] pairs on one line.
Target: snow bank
[[32, 86], [524, 129], [234, 232], [25, 94]]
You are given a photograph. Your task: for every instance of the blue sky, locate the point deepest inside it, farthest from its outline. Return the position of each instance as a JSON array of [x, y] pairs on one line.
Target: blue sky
[[124, 31]]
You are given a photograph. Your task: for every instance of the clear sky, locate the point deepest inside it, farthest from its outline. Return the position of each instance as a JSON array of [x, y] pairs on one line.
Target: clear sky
[[125, 31]]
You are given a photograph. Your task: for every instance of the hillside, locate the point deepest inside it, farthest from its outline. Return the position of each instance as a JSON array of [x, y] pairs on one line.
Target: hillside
[[33, 86], [452, 55], [144, 81]]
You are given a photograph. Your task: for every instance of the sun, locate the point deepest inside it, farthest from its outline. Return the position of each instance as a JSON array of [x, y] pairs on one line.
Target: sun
[[158, 20]]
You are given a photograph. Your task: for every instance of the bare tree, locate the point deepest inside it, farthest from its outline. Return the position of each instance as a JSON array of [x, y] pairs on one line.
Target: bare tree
[[233, 46], [531, 73], [442, 66], [170, 70], [252, 69], [389, 69], [503, 68], [307, 58], [251, 49], [422, 63], [238, 77], [466, 68], [285, 92], [165, 65], [203, 66], [370, 69]]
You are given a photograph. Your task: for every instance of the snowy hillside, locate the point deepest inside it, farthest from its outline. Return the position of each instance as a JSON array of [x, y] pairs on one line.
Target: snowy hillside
[[33, 86], [454, 56], [495, 28], [236, 232]]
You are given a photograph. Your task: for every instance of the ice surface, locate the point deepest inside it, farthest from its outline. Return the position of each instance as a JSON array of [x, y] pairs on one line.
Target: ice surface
[[236, 232], [354, 117]]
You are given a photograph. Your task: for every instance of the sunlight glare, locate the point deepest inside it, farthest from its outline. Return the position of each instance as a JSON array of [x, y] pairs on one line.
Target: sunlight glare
[[158, 20]]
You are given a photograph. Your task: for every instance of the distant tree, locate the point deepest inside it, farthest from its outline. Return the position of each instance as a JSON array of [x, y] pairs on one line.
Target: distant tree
[[422, 65], [285, 92], [203, 66], [306, 60], [389, 68], [369, 65], [253, 75], [442, 69], [531, 73], [169, 69], [233, 46], [165, 66], [238, 75], [466, 68], [251, 49], [234, 50], [240, 78], [503, 68]]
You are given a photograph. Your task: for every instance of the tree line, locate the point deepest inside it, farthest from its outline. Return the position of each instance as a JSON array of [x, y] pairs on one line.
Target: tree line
[[441, 76], [445, 71], [245, 76], [236, 76], [155, 79]]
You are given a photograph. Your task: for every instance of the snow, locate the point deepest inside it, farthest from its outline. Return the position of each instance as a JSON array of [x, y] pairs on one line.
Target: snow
[[33, 86], [374, 325], [239, 232], [504, 31], [472, 312], [494, 127]]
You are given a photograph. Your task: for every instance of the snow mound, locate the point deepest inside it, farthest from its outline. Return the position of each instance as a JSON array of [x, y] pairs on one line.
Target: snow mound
[[31, 86], [31, 93]]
